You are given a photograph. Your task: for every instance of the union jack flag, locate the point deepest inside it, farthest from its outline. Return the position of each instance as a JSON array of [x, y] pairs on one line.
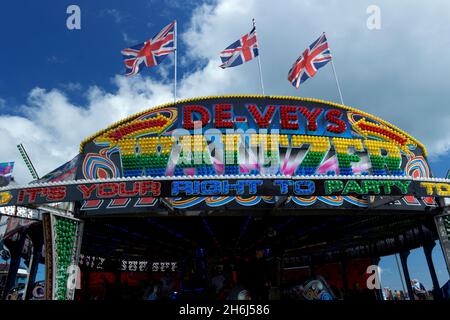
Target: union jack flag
[[152, 52], [240, 51], [313, 58]]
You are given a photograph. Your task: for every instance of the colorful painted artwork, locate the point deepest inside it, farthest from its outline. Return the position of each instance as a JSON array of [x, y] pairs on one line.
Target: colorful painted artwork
[[6, 169], [249, 136], [253, 135]]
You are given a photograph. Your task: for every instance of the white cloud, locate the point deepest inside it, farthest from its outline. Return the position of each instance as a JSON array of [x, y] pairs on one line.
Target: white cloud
[[128, 39], [116, 14], [52, 127], [388, 72], [71, 86]]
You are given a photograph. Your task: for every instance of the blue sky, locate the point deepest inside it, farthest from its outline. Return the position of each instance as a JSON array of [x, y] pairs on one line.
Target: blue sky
[[59, 86], [42, 53], [51, 56]]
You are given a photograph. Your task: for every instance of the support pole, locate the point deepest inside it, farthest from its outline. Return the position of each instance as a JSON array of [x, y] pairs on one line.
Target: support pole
[[404, 260], [400, 273], [38, 241], [15, 249], [428, 249]]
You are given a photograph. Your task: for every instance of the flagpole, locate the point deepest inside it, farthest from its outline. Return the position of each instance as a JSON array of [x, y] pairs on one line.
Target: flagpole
[[337, 81], [259, 62], [175, 64], [335, 77]]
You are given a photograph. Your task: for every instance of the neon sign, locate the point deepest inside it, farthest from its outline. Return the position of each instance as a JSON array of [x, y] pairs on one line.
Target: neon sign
[[249, 136], [204, 187]]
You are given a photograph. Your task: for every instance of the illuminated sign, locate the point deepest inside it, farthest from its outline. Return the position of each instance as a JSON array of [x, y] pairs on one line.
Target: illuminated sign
[[264, 186], [251, 136], [440, 189], [88, 191]]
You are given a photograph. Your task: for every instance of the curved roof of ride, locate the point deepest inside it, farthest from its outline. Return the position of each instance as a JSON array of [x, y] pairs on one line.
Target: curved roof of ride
[[337, 105]]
